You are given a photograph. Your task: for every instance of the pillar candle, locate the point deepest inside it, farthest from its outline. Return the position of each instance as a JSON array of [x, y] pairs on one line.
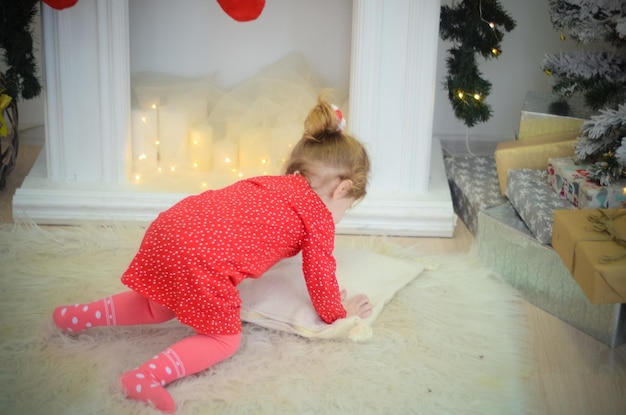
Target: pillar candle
[[201, 147], [173, 136], [254, 152], [143, 137], [224, 155], [282, 140]]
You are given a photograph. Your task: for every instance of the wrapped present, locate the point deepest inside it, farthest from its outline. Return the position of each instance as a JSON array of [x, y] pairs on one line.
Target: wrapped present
[[473, 185], [570, 180], [537, 272], [545, 113], [532, 153], [591, 251], [535, 201]]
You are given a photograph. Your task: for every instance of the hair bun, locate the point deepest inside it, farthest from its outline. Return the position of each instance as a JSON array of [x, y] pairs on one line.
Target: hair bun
[[324, 119]]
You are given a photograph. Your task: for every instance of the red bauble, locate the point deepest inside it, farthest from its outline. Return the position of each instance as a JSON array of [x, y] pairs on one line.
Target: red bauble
[[242, 10], [60, 4]]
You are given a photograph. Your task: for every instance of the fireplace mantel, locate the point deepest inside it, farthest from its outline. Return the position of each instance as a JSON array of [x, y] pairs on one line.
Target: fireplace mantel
[[81, 174]]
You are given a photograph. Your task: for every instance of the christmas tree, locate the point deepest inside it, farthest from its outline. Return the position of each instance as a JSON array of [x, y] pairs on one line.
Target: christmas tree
[[16, 43], [19, 79], [474, 27], [599, 75]]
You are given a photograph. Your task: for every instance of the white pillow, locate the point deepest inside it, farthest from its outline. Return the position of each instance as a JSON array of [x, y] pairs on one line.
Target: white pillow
[[279, 299]]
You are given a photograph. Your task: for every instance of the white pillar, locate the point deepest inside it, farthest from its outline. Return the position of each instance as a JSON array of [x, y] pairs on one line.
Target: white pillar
[[392, 90], [392, 96], [86, 57]]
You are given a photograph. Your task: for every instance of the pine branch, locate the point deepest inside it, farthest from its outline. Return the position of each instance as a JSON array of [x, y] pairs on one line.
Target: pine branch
[[620, 153], [600, 76], [603, 144], [16, 40], [466, 88], [474, 27], [589, 20]]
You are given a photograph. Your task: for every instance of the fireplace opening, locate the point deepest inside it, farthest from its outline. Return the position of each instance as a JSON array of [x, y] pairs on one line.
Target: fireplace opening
[[203, 115]]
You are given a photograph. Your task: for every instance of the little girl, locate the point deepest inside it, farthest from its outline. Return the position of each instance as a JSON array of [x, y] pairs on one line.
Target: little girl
[[193, 256]]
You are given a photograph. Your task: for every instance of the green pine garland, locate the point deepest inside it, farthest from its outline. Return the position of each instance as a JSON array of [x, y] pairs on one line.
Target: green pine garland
[[474, 26], [16, 43]]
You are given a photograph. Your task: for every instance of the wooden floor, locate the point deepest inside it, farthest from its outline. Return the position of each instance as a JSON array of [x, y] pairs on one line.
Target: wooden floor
[[575, 373]]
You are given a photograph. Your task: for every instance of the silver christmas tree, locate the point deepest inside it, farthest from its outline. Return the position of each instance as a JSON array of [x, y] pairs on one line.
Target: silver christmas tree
[[599, 75], [602, 143]]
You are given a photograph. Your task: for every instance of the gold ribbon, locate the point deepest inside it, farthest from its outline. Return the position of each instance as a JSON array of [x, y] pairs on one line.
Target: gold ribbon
[[5, 101], [605, 223]]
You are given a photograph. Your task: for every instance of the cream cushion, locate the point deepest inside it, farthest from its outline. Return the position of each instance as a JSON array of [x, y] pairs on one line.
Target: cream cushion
[[279, 299]]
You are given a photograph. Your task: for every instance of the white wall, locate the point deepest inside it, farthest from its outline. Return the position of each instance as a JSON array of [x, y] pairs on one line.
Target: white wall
[[200, 34]]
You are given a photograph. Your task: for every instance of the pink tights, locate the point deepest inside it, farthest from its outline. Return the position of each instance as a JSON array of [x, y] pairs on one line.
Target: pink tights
[[147, 382]]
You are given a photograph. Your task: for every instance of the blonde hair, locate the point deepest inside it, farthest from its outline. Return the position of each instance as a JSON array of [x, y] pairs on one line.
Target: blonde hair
[[325, 145]]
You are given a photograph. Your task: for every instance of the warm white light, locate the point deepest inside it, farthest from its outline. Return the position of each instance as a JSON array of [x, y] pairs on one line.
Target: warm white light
[[195, 142], [153, 106], [263, 161], [143, 118], [157, 143], [195, 165], [159, 169], [142, 156], [240, 175], [492, 25], [476, 96], [460, 94], [227, 159], [137, 177], [172, 168]]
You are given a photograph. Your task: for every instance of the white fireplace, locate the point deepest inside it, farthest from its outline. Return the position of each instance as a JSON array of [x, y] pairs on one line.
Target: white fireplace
[[82, 173]]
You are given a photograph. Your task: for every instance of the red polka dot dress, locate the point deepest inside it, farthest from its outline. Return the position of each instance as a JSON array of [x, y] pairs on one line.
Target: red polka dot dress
[[194, 254]]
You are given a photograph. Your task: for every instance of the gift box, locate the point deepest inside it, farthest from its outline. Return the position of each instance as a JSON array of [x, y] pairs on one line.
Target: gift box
[[545, 113], [534, 200], [592, 256], [536, 271], [569, 179], [532, 153], [473, 186]]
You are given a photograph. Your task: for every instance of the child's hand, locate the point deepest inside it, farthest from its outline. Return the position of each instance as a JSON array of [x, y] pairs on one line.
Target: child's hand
[[359, 305]]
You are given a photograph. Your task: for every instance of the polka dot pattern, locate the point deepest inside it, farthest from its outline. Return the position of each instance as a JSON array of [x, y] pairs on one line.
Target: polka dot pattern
[[80, 317], [148, 384], [194, 254]]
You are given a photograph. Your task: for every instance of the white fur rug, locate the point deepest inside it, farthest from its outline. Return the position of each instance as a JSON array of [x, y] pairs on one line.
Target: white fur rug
[[452, 342]]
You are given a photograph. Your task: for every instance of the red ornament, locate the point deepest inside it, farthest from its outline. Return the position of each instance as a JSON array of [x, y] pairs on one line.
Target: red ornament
[[242, 10], [60, 4]]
